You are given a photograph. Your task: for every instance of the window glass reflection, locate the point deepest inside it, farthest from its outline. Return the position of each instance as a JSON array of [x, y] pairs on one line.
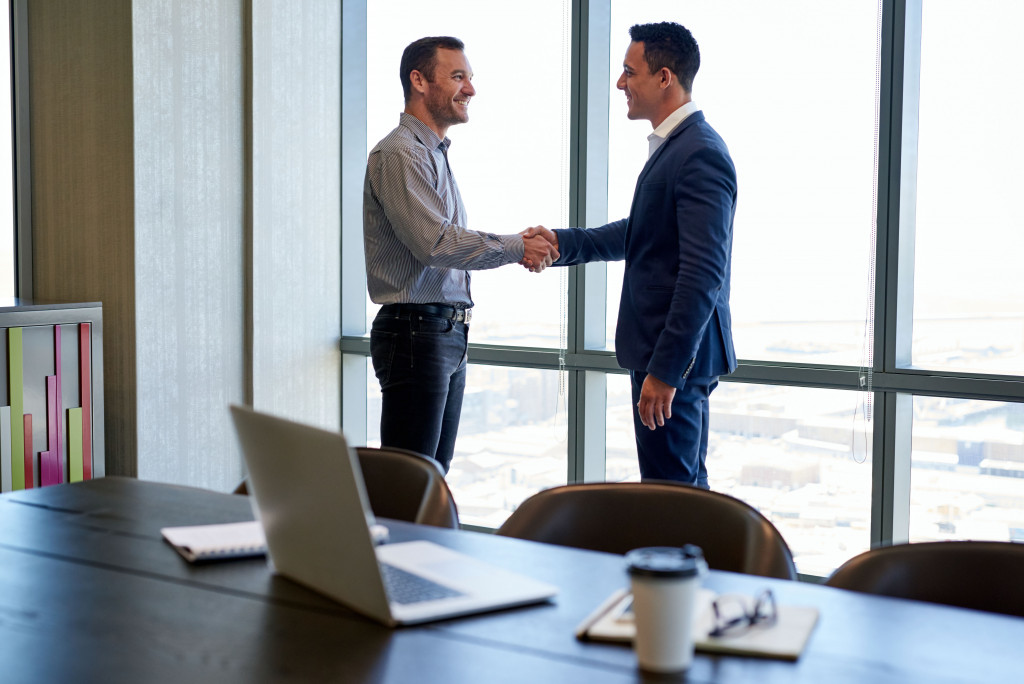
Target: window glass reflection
[[969, 234], [512, 440], [800, 456], [967, 470], [790, 86], [512, 169]]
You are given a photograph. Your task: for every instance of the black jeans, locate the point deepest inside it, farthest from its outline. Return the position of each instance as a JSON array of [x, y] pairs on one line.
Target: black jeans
[[420, 362]]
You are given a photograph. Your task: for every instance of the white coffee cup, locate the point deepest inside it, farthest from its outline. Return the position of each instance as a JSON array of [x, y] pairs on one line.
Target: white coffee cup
[[665, 581]]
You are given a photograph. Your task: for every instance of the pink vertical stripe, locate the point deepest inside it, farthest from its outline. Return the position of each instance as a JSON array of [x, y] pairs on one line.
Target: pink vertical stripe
[[48, 470], [29, 478], [85, 400], [57, 447]]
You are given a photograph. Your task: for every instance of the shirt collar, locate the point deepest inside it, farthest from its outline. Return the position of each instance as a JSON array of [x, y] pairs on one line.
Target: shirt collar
[[422, 131], [659, 134]]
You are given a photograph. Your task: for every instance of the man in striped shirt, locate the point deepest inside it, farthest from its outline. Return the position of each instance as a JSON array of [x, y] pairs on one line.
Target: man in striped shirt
[[419, 251]]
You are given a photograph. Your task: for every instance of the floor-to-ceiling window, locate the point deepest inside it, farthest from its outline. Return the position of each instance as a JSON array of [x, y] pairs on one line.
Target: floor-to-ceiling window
[[968, 288], [511, 164], [791, 89], [877, 306]]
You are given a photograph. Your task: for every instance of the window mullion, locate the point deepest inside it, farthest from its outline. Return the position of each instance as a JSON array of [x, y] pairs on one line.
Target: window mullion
[[588, 205]]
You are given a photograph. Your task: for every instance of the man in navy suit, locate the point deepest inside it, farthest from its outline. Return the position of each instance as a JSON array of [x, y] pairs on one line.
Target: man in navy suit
[[674, 329]]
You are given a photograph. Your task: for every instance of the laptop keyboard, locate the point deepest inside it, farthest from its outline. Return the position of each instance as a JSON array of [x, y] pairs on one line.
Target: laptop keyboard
[[405, 587]]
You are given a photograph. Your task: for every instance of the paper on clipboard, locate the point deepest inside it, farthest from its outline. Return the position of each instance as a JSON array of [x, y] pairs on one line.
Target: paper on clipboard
[[785, 639]]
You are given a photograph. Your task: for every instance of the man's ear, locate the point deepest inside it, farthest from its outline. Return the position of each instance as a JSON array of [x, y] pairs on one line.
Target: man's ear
[[418, 81], [667, 78]]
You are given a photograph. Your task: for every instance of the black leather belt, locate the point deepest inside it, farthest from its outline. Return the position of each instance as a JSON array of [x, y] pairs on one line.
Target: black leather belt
[[452, 313]]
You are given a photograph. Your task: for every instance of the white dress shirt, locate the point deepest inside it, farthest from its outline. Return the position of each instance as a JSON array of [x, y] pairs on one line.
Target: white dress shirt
[[659, 134]]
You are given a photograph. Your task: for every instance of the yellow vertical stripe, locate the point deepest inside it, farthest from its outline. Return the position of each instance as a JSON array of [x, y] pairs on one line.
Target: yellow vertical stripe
[[74, 434], [16, 385]]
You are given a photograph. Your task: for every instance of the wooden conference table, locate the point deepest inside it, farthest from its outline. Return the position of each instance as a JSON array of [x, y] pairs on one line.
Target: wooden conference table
[[89, 592]]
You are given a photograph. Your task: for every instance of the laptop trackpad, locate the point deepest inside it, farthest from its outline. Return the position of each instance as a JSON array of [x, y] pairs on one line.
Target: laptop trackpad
[[443, 565], [458, 570]]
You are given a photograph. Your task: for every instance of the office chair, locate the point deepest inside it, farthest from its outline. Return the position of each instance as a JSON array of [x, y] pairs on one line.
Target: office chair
[[619, 516], [403, 485], [970, 574]]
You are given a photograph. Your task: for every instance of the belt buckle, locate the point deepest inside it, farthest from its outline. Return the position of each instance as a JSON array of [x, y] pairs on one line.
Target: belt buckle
[[467, 316]]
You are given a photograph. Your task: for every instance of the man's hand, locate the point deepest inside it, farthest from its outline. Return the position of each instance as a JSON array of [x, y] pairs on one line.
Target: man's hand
[[545, 233], [655, 405], [540, 251]]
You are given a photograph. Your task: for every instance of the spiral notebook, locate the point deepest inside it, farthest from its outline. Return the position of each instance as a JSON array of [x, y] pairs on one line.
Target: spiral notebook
[[197, 543]]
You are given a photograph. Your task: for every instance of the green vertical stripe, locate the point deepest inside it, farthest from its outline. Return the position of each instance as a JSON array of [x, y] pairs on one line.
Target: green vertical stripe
[[5, 448], [16, 385], [74, 434]]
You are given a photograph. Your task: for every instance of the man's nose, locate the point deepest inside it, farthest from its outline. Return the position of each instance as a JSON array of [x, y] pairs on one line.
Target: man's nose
[[621, 83]]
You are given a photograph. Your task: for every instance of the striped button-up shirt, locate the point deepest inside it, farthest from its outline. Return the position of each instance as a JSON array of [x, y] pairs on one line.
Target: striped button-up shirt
[[416, 243]]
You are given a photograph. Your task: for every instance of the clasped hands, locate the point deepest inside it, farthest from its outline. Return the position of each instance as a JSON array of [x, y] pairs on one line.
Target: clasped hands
[[541, 248]]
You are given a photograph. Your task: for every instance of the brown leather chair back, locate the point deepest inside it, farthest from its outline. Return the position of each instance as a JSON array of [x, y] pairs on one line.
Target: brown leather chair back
[[969, 574], [619, 516], [402, 485]]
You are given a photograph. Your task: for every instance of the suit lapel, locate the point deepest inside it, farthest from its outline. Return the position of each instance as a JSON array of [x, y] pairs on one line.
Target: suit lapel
[[676, 132]]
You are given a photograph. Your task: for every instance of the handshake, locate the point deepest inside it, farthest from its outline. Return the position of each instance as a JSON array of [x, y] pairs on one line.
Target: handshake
[[541, 248]]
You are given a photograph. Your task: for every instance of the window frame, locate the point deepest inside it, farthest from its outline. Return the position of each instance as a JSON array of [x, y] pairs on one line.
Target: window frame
[[890, 378], [21, 163]]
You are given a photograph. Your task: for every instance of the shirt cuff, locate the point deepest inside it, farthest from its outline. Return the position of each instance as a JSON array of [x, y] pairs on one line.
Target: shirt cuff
[[514, 247]]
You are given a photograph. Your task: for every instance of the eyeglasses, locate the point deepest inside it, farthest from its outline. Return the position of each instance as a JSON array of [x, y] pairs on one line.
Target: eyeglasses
[[733, 617]]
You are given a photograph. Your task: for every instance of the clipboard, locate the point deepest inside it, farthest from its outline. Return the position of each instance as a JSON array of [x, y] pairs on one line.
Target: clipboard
[[785, 639]]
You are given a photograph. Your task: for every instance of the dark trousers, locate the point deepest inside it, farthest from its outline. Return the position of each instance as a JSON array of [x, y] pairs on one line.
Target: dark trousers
[[678, 450], [420, 362]]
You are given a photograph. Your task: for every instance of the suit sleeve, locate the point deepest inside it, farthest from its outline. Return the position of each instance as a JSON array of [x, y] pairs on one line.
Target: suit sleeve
[[582, 245], [704, 192]]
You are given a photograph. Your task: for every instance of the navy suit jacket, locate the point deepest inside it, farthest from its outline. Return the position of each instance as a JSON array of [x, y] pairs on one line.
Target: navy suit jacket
[[674, 318]]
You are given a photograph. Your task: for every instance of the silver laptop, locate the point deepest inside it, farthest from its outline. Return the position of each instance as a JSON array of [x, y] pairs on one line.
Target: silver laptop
[[307, 490]]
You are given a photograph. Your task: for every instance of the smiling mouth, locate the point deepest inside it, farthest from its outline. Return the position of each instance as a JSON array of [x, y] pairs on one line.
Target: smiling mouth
[[464, 103]]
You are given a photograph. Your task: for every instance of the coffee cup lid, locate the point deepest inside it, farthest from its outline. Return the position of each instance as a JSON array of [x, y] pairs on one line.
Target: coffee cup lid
[[666, 561]]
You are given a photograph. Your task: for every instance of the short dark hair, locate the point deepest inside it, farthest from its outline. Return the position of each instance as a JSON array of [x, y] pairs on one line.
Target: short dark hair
[[421, 56], [668, 44]]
